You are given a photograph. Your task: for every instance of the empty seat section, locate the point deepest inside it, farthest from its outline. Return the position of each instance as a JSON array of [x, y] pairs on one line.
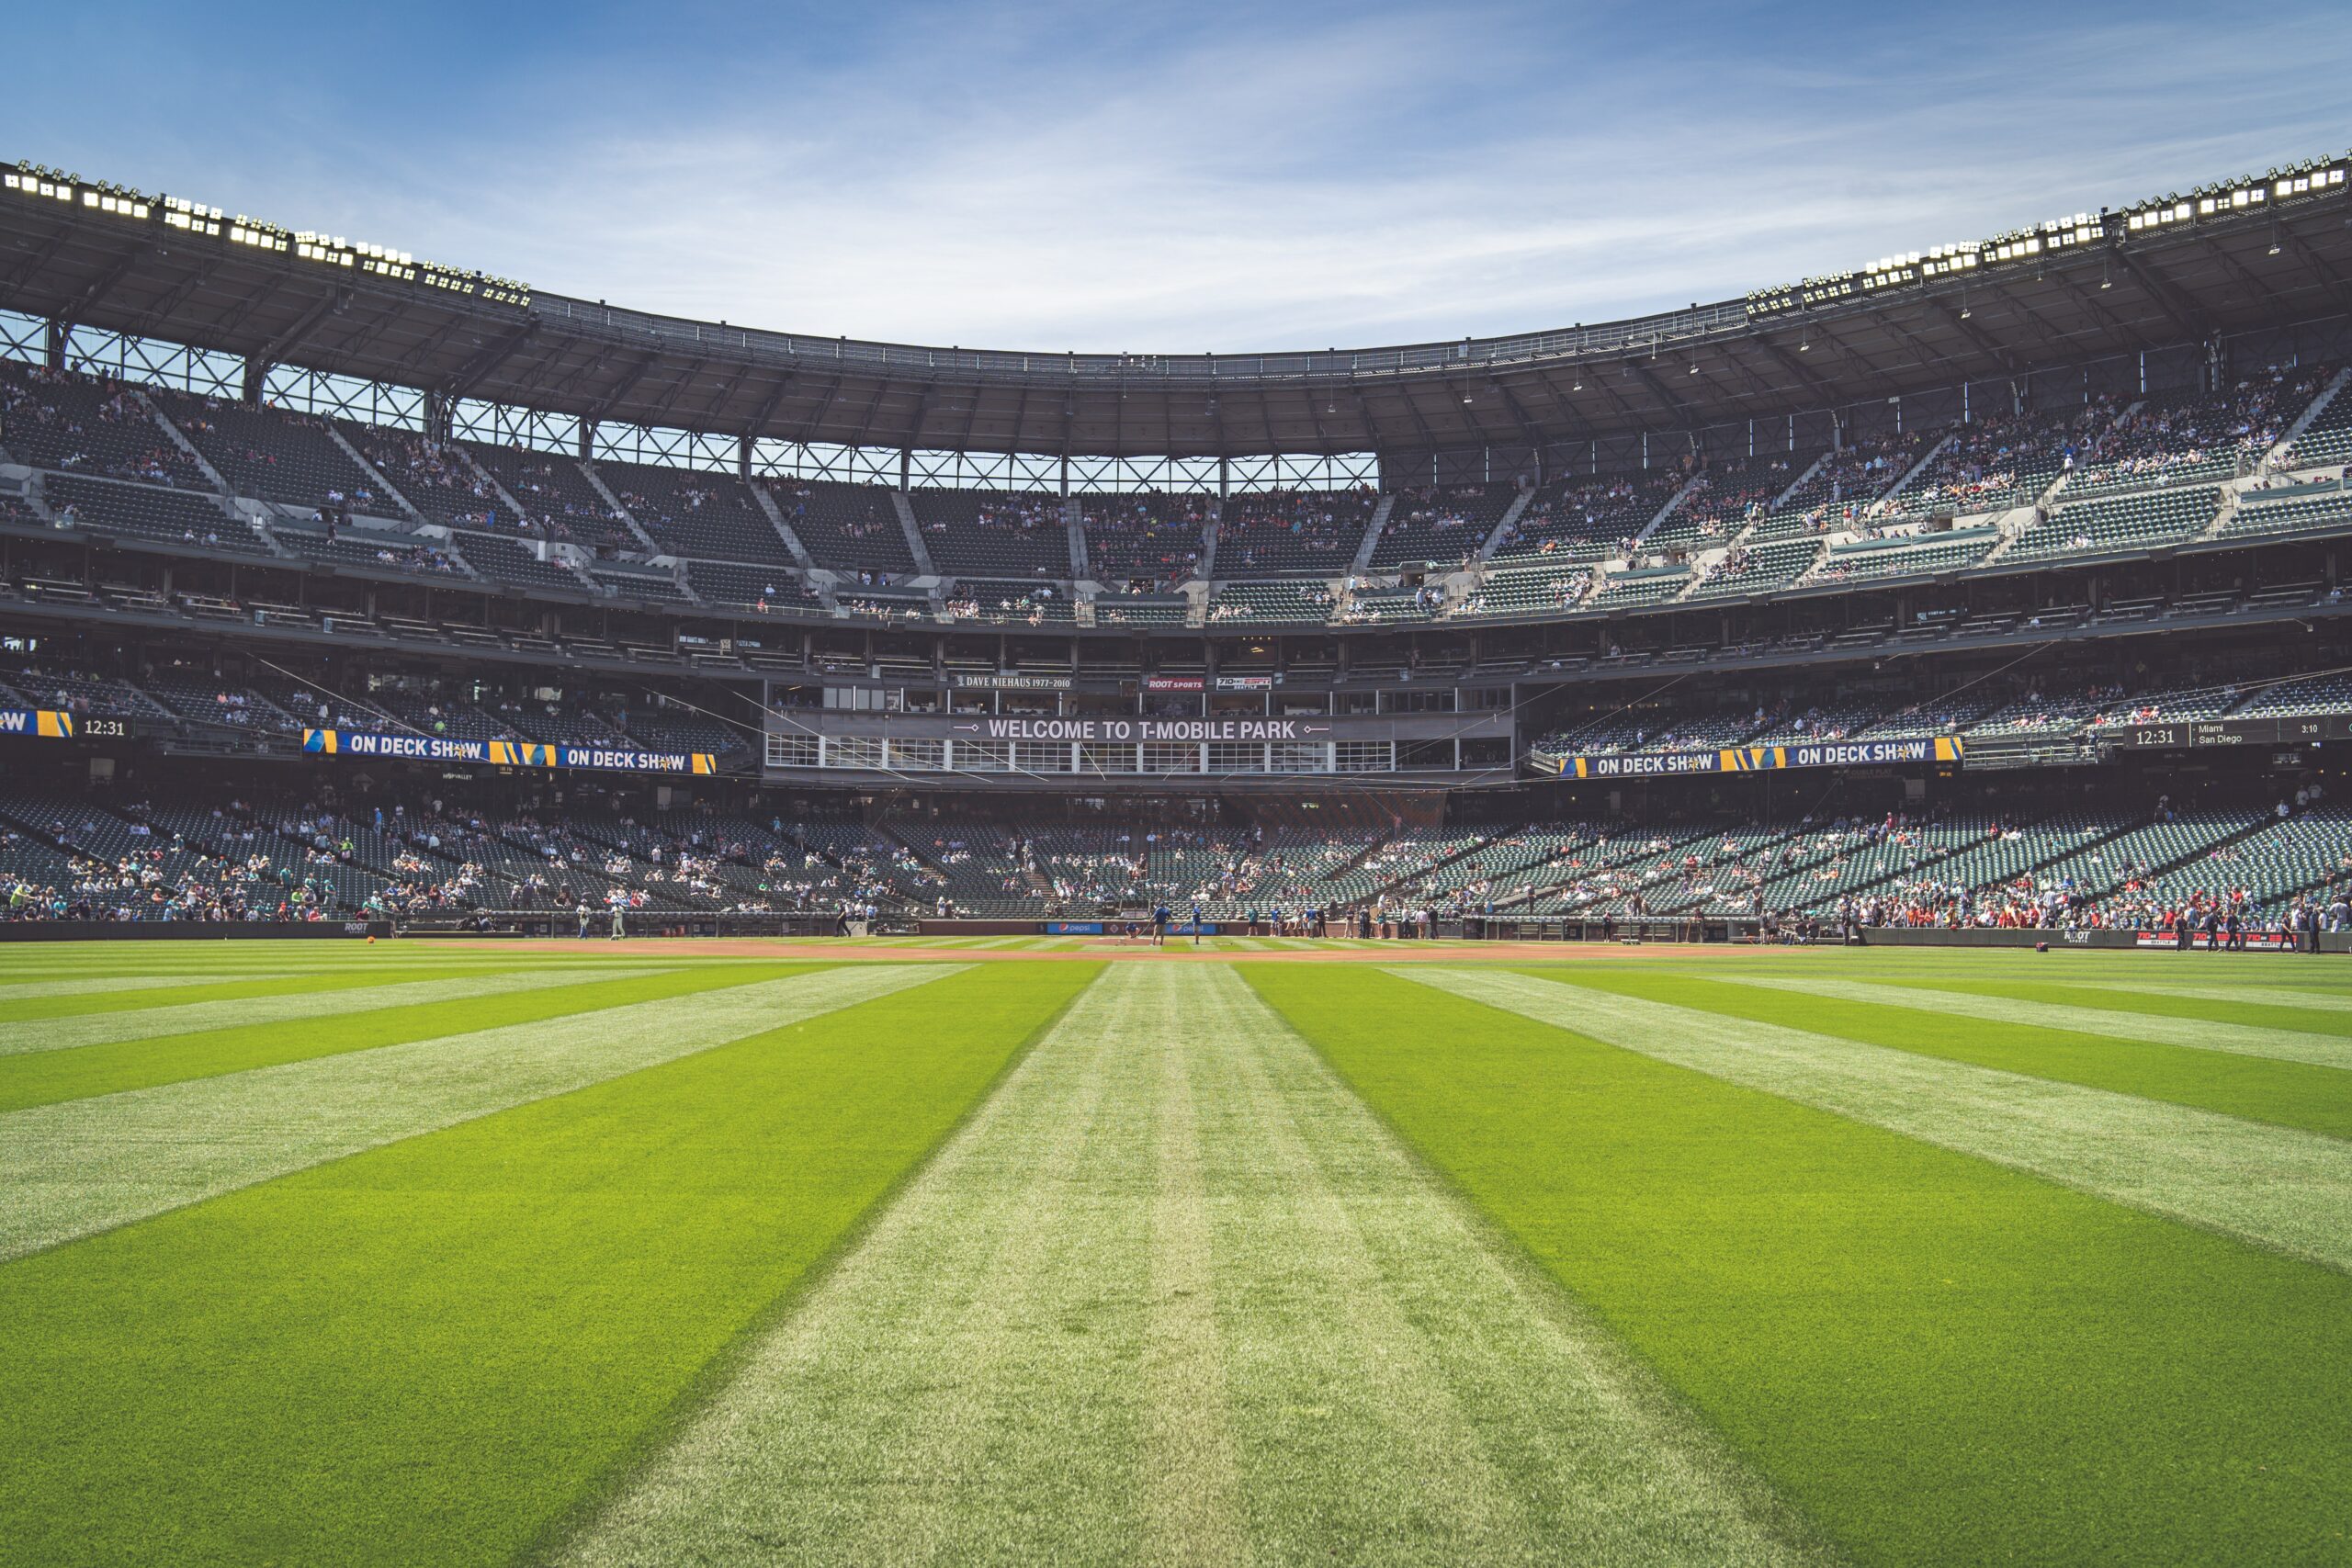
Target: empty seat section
[[271, 455], [695, 512], [183, 517], [729, 586], [2120, 522], [1444, 524], [850, 529]]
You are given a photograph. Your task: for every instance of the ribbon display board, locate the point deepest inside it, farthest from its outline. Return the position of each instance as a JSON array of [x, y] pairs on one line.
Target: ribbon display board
[[2310, 729], [49, 724], [502, 754], [1755, 759]]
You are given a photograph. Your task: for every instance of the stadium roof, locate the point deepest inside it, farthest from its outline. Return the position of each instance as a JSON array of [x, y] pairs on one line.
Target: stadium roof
[[2242, 254]]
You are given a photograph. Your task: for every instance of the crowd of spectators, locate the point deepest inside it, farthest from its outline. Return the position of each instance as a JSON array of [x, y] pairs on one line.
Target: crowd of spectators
[[1286, 530], [87, 425], [436, 478], [2194, 436]]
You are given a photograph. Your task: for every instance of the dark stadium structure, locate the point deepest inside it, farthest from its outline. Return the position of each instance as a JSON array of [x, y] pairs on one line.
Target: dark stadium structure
[[1996, 586]]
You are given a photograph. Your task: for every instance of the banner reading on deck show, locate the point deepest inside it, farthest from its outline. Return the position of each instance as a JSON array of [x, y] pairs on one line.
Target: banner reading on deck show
[[1755, 759], [502, 753]]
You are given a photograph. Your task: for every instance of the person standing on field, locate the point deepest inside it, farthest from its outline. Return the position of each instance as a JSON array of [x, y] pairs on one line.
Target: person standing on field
[[583, 920]]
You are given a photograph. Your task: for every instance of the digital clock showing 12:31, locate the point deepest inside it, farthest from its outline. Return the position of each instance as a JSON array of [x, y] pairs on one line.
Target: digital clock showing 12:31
[[97, 728]]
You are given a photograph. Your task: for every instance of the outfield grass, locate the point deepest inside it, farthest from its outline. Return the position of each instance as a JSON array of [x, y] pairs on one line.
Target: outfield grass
[[47, 1076], [427, 1352], [1938, 1359], [2293, 1093], [627, 1255]]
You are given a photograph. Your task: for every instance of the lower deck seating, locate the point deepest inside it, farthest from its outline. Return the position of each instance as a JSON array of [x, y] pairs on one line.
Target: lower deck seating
[[2121, 522], [730, 586], [169, 516], [509, 560]]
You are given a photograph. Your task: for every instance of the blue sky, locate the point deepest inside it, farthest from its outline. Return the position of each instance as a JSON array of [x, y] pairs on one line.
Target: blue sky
[[1181, 178]]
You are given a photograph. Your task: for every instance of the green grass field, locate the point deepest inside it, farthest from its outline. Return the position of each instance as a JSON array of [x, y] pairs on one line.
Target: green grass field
[[1012, 1251]]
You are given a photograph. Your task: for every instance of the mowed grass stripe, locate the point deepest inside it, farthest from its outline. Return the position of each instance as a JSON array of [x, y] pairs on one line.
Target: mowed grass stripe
[[363, 994], [2264, 988], [199, 955], [2290, 1093], [1174, 1296], [1453, 1406], [1192, 1487], [1938, 1359], [918, 1402], [13, 992], [45, 1077], [79, 1004], [425, 1354], [2277, 1187], [2278, 1044], [2248, 1015], [86, 1165]]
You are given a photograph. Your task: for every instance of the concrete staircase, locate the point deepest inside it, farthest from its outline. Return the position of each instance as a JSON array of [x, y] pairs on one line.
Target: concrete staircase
[[1780, 500], [605, 492], [376, 475], [1673, 504], [2222, 515], [1503, 524], [2022, 518], [913, 531], [180, 440], [775, 516], [1074, 519], [1909, 474], [2277, 456], [1362, 562], [505, 497]]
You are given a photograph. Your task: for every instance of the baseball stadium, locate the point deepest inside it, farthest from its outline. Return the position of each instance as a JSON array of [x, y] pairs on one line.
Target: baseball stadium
[[1718, 937]]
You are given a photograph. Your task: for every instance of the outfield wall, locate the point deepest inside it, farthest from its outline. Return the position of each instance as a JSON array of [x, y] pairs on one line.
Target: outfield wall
[[1905, 936], [187, 930]]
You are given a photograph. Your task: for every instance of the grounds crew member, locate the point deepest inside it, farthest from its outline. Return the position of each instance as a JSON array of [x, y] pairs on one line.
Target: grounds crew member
[[1159, 925]]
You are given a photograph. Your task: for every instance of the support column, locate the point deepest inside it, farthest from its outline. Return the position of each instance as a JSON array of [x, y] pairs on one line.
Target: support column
[[256, 377], [743, 459], [587, 439], [53, 344], [906, 469]]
